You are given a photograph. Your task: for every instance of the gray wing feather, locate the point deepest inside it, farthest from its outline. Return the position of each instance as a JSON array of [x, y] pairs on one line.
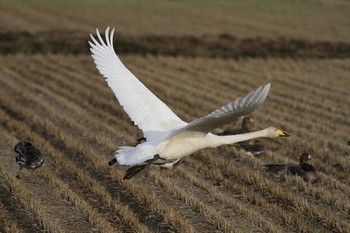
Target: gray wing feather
[[228, 113]]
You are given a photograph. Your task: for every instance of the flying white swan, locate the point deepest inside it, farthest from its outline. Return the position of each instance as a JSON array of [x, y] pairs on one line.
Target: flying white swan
[[168, 138]]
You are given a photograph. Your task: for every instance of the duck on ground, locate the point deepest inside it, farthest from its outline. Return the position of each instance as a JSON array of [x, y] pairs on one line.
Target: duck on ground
[[28, 157], [304, 169], [168, 138], [253, 147], [245, 127]]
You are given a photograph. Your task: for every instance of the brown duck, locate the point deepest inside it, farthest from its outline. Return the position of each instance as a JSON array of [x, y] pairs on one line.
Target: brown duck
[[245, 128], [252, 147], [304, 169], [28, 157]]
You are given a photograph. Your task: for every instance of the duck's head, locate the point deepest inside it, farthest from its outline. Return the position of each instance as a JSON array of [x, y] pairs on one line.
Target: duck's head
[[304, 157], [247, 121], [21, 144]]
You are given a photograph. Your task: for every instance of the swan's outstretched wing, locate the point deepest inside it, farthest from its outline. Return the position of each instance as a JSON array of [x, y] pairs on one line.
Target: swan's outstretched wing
[[146, 111], [228, 113]]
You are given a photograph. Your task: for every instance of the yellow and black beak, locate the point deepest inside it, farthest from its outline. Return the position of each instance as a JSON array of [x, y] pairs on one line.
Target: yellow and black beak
[[281, 133]]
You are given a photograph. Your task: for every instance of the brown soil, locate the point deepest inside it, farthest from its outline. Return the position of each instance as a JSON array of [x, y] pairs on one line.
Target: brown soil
[[223, 45]]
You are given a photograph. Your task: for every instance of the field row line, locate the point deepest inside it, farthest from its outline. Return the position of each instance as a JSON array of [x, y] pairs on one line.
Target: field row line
[[341, 203], [260, 220], [6, 223], [298, 76], [213, 216], [67, 93], [87, 96], [230, 68]]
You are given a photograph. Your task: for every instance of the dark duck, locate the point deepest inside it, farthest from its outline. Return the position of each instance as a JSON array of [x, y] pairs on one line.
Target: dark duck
[[303, 169], [28, 157], [251, 147]]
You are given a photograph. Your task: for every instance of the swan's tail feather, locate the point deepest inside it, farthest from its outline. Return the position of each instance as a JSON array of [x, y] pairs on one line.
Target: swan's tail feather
[[128, 155]]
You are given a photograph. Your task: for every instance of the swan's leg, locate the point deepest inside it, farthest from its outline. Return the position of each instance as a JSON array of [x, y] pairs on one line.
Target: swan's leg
[[113, 161], [136, 169], [173, 170]]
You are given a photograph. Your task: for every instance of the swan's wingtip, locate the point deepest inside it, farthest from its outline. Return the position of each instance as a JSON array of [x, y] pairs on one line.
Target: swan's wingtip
[[267, 87]]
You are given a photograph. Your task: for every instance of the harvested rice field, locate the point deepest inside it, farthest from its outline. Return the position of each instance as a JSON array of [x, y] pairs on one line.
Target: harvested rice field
[[60, 103]]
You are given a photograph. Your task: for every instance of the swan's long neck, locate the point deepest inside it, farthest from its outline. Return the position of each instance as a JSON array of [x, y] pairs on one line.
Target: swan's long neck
[[231, 139]]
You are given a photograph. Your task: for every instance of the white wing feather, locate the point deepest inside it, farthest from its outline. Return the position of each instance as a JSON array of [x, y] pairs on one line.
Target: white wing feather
[[146, 110], [228, 113]]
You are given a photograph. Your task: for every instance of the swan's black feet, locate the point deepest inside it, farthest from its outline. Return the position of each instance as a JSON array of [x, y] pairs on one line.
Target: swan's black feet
[[133, 171], [113, 161], [136, 169], [173, 169]]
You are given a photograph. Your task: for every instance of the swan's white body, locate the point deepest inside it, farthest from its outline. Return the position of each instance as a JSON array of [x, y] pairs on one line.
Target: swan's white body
[[167, 135]]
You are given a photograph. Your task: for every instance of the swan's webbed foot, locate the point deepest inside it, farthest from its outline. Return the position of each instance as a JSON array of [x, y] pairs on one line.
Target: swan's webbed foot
[[113, 161], [173, 170], [133, 171], [136, 169]]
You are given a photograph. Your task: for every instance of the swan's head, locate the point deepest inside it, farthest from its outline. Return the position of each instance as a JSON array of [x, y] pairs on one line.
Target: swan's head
[[273, 132]]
